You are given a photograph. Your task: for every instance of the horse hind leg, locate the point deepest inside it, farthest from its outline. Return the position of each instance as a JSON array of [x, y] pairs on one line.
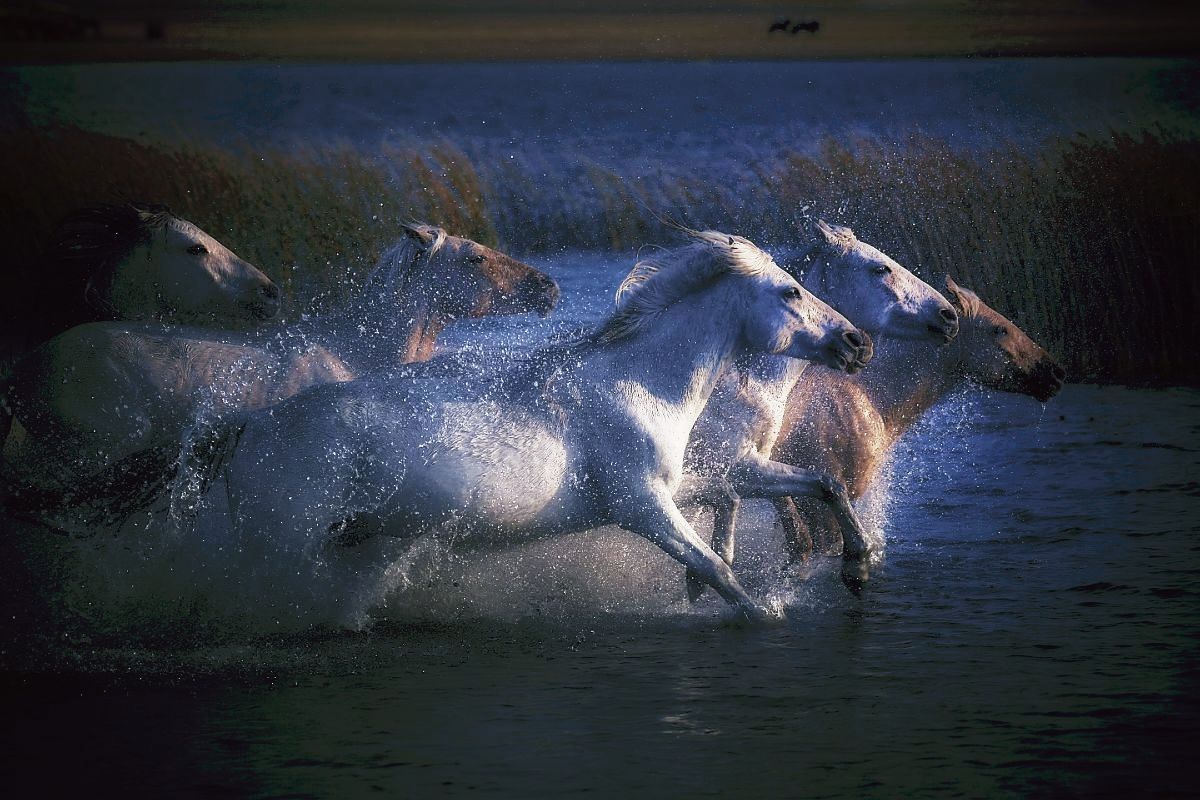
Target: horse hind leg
[[797, 534]]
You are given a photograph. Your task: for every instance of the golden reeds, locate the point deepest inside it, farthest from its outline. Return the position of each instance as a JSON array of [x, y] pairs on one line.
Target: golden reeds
[[1091, 244]]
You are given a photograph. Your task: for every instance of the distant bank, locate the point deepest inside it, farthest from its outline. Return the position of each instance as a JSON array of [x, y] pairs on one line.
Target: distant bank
[[466, 34]]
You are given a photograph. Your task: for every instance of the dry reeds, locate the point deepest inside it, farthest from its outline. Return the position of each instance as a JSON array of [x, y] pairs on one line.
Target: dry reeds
[[1091, 244]]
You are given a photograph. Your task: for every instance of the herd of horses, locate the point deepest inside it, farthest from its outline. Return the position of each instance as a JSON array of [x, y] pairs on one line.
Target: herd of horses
[[343, 438]]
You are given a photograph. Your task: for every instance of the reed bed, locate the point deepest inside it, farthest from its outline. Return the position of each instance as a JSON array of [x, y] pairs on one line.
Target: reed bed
[[1091, 244]]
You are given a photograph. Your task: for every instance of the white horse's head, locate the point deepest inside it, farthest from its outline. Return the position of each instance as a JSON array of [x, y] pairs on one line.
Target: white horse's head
[[992, 350], [456, 278], [775, 314], [870, 288], [142, 262]]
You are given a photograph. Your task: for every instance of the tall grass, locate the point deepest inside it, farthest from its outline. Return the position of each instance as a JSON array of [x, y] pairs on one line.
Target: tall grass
[[1092, 245]]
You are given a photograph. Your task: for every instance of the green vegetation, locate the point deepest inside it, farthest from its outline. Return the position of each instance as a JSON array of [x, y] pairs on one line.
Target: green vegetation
[[1092, 245]]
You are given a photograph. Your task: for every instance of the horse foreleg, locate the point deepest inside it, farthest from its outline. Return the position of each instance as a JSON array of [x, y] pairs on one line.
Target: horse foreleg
[[656, 517], [717, 493], [755, 476]]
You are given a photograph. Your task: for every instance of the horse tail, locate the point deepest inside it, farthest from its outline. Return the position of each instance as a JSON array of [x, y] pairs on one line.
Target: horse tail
[[210, 452]]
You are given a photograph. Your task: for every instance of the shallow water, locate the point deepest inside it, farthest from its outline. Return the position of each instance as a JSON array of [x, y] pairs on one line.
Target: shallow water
[[1032, 630]]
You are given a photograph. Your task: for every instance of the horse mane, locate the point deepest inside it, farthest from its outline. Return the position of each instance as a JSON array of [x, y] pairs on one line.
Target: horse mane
[[91, 242], [654, 284], [398, 264]]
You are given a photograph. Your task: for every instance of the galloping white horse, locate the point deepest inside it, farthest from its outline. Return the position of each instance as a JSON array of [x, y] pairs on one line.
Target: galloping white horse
[[141, 262], [735, 435], [588, 434], [103, 391]]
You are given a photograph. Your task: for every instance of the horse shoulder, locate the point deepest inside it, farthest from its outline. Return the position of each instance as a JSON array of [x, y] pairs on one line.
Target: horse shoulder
[[831, 425]]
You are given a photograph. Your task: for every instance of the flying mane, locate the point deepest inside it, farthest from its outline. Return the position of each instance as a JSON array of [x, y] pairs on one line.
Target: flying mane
[[655, 284], [91, 242], [398, 264]]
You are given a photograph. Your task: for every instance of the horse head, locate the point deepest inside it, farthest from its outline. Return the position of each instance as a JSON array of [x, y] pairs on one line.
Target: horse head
[[198, 278], [143, 262], [784, 318], [871, 289], [998, 354], [464, 279]]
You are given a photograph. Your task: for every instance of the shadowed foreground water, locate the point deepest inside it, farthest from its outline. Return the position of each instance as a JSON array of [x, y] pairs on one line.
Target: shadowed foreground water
[[1033, 632]]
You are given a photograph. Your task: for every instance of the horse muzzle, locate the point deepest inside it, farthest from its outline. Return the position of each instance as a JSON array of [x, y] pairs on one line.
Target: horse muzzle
[[538, 293], [266, 302], [1047, 381], [850, 351], [945, 326]]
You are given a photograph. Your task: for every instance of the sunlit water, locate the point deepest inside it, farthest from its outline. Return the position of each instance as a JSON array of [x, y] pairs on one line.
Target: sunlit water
[[1032, 630]]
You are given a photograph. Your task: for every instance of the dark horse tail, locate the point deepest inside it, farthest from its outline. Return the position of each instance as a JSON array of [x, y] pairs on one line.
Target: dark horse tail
[[125, 487]]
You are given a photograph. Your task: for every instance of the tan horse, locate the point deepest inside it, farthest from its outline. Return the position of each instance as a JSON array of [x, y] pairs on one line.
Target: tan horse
[[103, 391], [845, 426]]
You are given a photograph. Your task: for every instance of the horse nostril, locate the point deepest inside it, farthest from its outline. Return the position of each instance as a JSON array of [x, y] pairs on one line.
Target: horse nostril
[[948, 315], [1059, 373], [854, 339]]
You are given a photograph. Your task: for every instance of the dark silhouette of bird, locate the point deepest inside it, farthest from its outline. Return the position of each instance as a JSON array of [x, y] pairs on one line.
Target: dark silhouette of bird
[[812, 27], [779, 25]]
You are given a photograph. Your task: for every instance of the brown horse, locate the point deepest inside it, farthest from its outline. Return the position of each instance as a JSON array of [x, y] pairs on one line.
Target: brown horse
[[845, 426], [104, 391]]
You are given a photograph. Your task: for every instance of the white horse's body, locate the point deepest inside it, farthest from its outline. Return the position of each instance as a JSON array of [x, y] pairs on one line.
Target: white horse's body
[[735, 435], [103, 391], [594, 433]]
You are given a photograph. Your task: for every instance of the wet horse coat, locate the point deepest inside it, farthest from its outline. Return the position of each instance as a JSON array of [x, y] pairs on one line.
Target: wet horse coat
[[591, 434], [846, 427], [103, 391], [736, 434]]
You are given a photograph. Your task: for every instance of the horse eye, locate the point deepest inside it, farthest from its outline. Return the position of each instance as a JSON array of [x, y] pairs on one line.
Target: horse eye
[[1000, 330], [197, 250], [881, 269], [793, 293], [477, 259]]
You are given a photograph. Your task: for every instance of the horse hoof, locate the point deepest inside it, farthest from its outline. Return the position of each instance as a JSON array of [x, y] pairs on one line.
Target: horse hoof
[[855, 572], [755, 614], [695, 587]]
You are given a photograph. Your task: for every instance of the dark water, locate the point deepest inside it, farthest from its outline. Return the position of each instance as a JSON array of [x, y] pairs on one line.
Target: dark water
[[1032, 631]]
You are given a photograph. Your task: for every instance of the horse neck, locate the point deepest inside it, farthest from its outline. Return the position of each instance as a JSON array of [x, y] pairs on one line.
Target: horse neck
[[746, 410], [770, 377], [905, 379], [678, 360], [131, 292], [375, 332]]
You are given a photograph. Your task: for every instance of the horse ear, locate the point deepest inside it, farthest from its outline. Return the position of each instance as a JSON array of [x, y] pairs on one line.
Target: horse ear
[[964, 299], [826, 231], [838, 237], [419, 232]]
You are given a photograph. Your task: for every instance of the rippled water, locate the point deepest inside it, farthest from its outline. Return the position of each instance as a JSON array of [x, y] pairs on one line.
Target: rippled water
[[1032, 631]]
